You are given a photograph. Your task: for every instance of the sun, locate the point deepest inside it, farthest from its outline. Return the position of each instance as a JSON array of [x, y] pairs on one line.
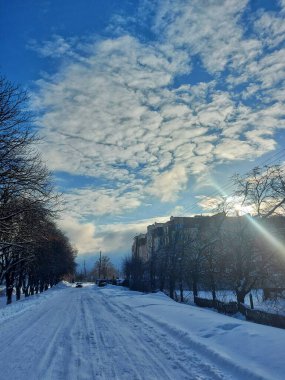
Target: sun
[[238, 207], [243, 210]]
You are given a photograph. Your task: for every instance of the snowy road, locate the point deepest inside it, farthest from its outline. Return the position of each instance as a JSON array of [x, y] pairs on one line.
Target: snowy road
[[90, 333]]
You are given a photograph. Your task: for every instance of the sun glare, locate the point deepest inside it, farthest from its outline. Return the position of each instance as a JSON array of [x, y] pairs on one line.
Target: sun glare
[[242, 210], [232, 202], [275, 243]]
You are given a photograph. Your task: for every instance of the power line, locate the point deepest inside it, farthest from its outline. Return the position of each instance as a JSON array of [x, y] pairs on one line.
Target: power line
[[274, 158]]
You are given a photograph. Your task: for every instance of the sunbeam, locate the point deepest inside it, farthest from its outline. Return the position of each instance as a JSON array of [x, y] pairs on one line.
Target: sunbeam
[[276, 243]]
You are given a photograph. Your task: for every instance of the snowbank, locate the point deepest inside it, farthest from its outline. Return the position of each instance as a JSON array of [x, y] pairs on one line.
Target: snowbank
[[242, 344], [18, 307]]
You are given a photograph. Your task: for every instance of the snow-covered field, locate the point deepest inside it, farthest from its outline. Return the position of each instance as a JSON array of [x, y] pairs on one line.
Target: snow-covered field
[[113, 333]]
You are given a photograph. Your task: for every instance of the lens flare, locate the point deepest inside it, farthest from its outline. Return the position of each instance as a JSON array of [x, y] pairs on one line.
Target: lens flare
[[276, 243]]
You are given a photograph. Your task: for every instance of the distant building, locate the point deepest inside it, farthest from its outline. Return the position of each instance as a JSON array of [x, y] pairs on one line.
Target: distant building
[[139, 247], [155, 237], [181, 231]]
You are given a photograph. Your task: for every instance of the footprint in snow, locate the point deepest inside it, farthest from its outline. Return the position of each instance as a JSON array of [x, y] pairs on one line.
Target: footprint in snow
[[228, 326]]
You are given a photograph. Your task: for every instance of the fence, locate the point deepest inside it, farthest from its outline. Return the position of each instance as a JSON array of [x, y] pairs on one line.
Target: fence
[[253, 315], [222, 307], [263, 317]]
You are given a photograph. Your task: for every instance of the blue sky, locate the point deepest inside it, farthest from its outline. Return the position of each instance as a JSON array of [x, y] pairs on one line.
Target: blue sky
[[147, 107]]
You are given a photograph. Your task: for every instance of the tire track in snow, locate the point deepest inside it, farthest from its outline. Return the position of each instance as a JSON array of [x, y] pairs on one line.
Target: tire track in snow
[[78, 334], [65, 355], [30, 341], [119, 351], [185, 363], [204, 361]]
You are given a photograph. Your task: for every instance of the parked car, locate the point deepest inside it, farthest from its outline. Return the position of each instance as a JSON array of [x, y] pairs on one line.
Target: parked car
[[123, 282], [79, 285], [101, 283]]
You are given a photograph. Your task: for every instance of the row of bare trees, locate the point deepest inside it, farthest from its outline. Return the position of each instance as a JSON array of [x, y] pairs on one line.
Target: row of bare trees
[[34, 253], [103, 269], [222, 251]]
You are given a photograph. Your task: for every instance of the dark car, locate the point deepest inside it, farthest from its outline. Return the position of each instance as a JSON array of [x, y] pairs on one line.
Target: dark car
[[101, 283], [79, 285]]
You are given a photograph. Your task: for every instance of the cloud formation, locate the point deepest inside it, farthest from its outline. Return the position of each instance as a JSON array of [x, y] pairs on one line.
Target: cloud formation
[[100, 201], [167, 185], [117, 109], [110, 238]]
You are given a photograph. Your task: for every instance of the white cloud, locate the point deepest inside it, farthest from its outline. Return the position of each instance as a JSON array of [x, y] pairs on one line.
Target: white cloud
[[210, 203], [110, 238], [57, 47], [212, 29], [95, 201], [166, 186], [270, 27], [231, 205], [81, 234]]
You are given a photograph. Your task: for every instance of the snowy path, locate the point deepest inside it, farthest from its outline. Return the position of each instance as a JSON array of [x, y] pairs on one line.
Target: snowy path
[[90, 334]]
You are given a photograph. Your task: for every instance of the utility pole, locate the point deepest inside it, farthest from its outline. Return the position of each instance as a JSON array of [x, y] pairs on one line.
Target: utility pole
[[100, 263], [85, 273]]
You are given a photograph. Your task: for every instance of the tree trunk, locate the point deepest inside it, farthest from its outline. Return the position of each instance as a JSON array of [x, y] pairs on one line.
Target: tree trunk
[[181, 292], [161, 281], [251, 301], [171, 288], [152, 280], [240, 296], [9, 293], [161, 286], [195, 287], [32, 290], [9, 287], [213, 286], [18, 293], [19, 284]]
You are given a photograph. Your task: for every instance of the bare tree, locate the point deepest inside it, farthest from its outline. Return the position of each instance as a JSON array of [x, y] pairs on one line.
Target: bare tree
[[263, 189], [249, 257], [23, 176], [27, 201], [126, 268], [212, 252], [107, 269]]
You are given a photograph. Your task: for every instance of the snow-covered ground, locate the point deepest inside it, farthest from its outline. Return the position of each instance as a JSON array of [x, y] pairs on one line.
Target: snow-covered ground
[[113, 333], [276, 306]]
